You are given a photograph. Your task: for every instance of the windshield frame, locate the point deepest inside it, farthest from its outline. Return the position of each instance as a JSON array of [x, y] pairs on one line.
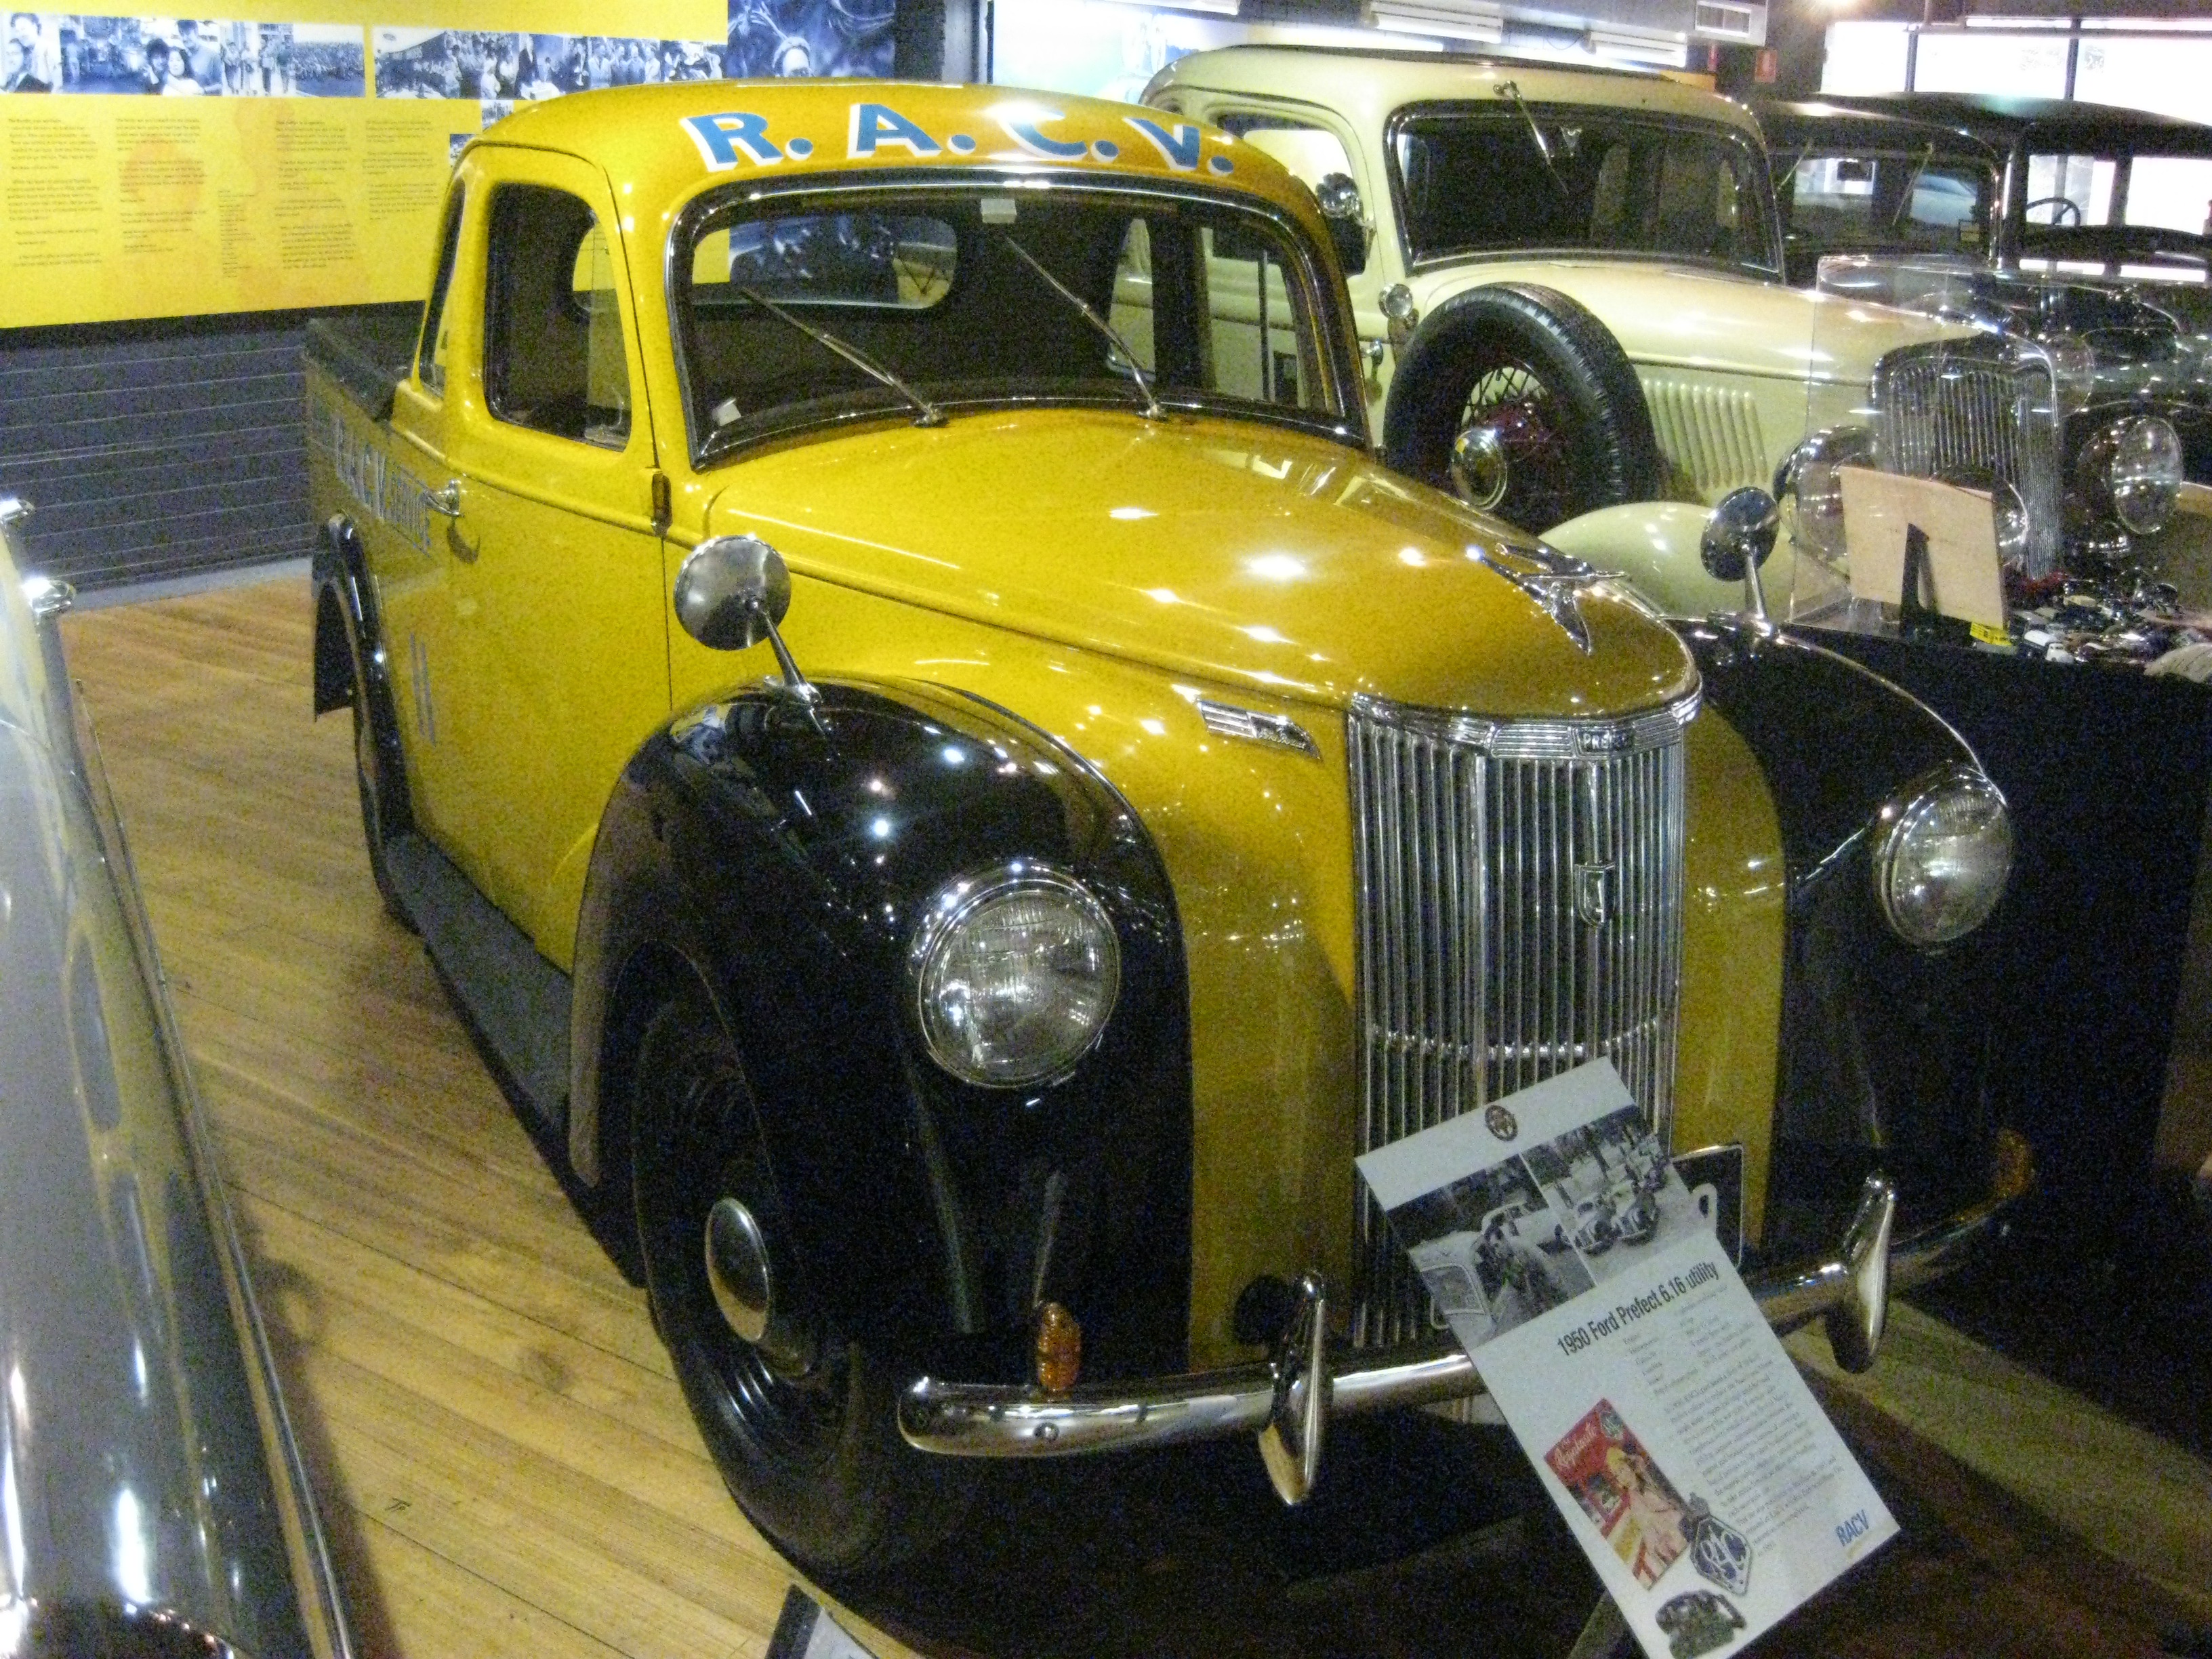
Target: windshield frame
[[1344, 421], [1754, 170], [1959, 158]]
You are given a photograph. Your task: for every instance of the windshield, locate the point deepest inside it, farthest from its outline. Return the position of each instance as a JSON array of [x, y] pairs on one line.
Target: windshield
[[1210, 303], [1471, 180], [1907, 200]]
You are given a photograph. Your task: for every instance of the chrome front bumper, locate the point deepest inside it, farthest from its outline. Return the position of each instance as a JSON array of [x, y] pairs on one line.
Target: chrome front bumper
[[1289, 1399]]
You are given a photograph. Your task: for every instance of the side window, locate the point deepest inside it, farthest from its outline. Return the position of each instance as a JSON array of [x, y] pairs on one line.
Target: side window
[[1212, 308], [1312, 153], [1259, 343], [2070, 190], [430, 368], [553, 343], [1132, 317]]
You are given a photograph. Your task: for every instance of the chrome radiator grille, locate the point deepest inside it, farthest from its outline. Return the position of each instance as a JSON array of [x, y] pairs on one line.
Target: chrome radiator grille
[[1977, 412], [1520, 911]]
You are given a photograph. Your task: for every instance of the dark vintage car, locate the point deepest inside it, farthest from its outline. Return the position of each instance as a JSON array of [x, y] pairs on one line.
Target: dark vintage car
[[2088, 191], [1912, 209], [153, 1502]]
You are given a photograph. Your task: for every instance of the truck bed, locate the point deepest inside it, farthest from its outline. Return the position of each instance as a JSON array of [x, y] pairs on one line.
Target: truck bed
[[366, 352]]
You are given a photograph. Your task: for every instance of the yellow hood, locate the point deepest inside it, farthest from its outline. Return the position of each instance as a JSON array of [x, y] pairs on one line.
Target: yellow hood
[[1223, 551]]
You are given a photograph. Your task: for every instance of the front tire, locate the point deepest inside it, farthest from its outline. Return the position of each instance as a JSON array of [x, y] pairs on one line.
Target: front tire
[[1517, 400], [802, 1421]]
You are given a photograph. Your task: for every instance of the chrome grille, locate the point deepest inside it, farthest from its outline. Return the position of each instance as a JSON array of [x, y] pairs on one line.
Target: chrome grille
[[1520, 911], [1977, 412]]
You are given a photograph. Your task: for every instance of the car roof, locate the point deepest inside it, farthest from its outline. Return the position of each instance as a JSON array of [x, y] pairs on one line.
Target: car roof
[[661, 144], [2086, 128], [1386, 81], [1799, 121]]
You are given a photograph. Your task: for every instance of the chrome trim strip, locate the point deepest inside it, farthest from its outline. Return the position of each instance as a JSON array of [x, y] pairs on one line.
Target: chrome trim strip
[[1537, 739], [975, 1419], [1278, 731]]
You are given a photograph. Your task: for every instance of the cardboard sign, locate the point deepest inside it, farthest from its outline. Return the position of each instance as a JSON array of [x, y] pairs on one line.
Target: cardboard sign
[[1690, 1460], [1962, 542]]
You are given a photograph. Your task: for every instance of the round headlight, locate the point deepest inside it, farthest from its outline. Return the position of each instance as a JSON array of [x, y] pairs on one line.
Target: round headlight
[[1943, 851], [1013, 973], [2143, 475], [1810, 475]]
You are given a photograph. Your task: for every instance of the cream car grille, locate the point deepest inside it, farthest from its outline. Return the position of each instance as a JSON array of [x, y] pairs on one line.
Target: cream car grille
[[1976, 412], [1520, 911]]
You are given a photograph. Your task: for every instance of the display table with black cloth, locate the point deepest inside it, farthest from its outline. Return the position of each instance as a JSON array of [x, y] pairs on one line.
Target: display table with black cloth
[[2106, 772]]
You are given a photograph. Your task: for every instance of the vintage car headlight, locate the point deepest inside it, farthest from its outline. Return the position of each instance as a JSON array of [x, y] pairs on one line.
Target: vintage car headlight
[[1013, 972], [1943, 851], [1810, 472], [2132, 469]]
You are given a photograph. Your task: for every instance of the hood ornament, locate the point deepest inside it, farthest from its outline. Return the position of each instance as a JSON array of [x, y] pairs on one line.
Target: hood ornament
[[1554, 580]]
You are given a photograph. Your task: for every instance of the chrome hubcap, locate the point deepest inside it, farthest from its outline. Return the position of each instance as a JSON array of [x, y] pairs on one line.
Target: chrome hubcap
[[1480, 470], [737, 1270]]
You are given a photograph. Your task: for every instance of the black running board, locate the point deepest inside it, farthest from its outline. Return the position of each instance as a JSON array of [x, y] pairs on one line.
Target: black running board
[[517, 1001]]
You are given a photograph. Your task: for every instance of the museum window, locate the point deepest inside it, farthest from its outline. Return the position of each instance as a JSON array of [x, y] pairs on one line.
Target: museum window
[[436, 323], [553, 335]]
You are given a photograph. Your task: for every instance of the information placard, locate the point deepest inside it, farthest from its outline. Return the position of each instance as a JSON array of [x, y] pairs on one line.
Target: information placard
[[1668, 1422]]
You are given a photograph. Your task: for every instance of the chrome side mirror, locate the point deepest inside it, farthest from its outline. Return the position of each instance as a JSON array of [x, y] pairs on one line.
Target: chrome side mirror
[[1401, 314], [1738, 539], [730, 595], [1346, 216]]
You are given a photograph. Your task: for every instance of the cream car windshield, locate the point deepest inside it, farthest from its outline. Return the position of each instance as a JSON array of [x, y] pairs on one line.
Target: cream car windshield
[[841, 305], [1518, 176]]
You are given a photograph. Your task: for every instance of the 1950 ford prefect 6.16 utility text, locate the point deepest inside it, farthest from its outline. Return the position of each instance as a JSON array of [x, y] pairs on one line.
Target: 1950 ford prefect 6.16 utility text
[[889, 681]]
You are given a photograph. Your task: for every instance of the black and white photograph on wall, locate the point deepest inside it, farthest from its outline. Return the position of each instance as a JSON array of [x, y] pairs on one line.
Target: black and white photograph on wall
[[1491, 1250], [180, 57], [766, 38], [808, 37], [31, 56], [1616, 1195]]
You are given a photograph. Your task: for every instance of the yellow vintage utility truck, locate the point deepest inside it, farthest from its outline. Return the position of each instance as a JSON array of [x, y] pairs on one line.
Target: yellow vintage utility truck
[[887, 679]]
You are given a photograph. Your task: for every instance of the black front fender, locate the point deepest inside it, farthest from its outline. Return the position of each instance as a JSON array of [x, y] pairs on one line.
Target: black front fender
[[1884, 1056], [349, 653], [783, 863]]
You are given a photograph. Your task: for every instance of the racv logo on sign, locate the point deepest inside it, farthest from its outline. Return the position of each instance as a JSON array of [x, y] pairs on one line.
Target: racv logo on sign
[[877, 131]]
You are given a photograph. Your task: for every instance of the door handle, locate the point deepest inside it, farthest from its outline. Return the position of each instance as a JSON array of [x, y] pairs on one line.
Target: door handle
[[445, 503]]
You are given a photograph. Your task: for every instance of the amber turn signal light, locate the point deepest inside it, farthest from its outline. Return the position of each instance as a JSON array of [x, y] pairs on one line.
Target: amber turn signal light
[[2013, 1170], [1059, 1348]]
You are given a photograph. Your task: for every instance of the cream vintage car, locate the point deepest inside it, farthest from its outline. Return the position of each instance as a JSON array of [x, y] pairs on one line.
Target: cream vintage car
[[1568, 289]]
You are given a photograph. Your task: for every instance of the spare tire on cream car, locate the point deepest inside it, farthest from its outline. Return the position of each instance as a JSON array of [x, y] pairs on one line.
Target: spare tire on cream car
[[1517, 400]]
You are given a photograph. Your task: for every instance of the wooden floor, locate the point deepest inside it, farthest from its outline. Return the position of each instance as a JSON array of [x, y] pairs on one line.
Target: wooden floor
[[505, 1460]]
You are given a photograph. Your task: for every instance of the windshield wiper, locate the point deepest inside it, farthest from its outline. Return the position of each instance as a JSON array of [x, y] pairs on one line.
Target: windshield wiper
[[1912, 182], [925, 413], [1512, 89], [1152, 410]]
